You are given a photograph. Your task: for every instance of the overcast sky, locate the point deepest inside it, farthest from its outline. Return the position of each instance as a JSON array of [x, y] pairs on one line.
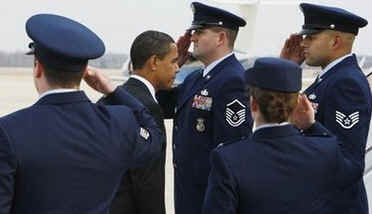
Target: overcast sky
[[118, 22]]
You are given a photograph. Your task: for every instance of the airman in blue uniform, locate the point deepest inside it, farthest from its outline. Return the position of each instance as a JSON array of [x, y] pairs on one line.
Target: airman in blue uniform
[[340, 95], [65, 154], [280, 169], [209, 108]]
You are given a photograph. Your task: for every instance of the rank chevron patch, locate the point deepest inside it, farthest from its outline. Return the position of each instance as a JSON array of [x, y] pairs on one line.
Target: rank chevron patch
[[347, 121], [235, 113]]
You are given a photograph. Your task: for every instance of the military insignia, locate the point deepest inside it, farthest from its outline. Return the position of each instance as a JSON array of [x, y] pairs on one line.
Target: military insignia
[[312, 97], [219, 145], [200, 126], [204, 92], [347, 121], [315, 107], [318, 79], [144, 133], [235, 113], [202, 102]]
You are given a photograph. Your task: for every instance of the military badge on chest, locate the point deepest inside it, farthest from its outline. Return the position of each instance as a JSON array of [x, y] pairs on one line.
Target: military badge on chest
[[200, 125], [235, 113], [312, 99], [202, 101]]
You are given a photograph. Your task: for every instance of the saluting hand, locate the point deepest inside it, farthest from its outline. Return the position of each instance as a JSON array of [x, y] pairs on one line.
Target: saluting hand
[[183, 45], [98, 81], [303, 115], [293, 50]]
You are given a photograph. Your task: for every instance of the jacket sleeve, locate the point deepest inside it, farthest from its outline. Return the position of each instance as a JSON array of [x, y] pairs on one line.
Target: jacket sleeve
[[145, 136], [347, 115], [221, 195], [142, 142], [347, 169], [317, 130], [8, 166], [232, 119]]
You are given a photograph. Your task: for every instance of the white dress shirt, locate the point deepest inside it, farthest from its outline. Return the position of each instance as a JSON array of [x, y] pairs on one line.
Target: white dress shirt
[[57, 91], [267, 125], [214, 64], [147, 83], [331, 65]]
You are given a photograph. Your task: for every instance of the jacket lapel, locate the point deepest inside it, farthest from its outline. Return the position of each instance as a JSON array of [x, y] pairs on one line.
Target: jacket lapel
[[191, 87], [199, 82], [346, 61], [139, 86]]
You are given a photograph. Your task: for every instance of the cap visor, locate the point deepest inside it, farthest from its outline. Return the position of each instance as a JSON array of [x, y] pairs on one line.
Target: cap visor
[[31, 45], [194, 27], [31, 52], [309, 31]]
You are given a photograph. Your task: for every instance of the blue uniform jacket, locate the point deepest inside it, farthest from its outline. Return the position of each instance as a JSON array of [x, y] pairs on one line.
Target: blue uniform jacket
[[65, 154], [207, 111], [343, 104], [280, 171]]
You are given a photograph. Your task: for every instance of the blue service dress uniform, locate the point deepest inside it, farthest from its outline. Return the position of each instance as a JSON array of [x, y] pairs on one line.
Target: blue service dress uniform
[[280, 170], [343, 103], [207, 111], [65, 154]]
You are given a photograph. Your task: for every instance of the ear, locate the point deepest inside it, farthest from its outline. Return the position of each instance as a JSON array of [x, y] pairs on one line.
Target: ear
[[39, 69], [253, 104], [222, 37], [153, 62], [336, 42]]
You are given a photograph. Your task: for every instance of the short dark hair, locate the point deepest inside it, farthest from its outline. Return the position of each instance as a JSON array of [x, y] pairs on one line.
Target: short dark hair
[[147, 44], [275, 107], [64, 79], [230, 34]]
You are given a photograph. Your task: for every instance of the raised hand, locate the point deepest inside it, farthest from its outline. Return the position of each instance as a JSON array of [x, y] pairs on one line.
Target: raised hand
[[303, 115], [183, 45], [292, 49], [98, 81]]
